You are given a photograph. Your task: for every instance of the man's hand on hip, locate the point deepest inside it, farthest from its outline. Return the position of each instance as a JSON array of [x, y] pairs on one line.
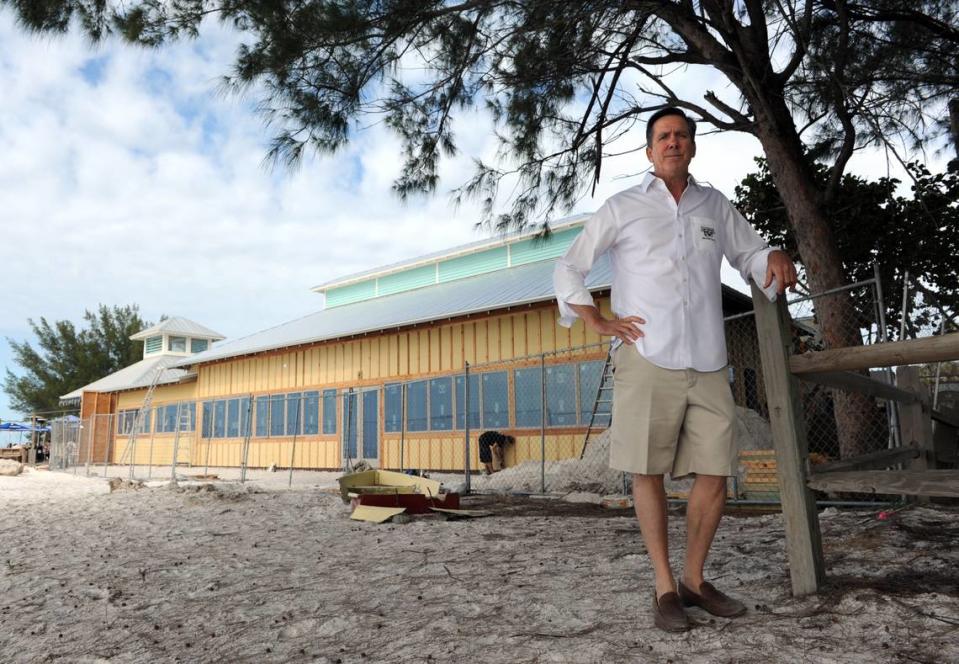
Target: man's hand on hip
[[626, 328], [780, 268]]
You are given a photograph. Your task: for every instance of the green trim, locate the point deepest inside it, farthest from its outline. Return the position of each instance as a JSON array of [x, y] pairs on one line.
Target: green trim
[[453, 269], [533, 250], [407, 280], [473, 264], [352, 293]]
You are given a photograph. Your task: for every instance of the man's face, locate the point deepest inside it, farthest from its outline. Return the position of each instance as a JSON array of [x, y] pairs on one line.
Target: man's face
[[672, 148]]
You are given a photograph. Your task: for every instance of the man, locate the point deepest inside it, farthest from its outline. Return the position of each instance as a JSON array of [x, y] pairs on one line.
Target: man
[[673, 411]]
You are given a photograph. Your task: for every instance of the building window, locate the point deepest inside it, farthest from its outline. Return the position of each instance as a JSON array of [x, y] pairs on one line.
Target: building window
[[191, 409], [294, 414], [153, 344], [219, 419], [590, 376], [329, 411], [177, 344], [277, 415], [441, 404], [222, 418], [311, 413], [561, 395], [474, 404], [165, 417], [199, 345], [262, 427], [416, 398], [245, 417], [207, 419], [393, 407], [528, 385], [233, 418], [495, 400], [126, 419]]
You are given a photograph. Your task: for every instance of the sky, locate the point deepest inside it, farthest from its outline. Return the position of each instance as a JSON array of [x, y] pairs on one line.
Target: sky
[[128, 176]]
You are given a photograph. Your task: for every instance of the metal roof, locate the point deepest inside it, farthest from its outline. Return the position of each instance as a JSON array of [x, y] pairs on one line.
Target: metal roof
[[453, 252], [135, 376], [516, 286], [525, 284], [486, 292], [179, 326]]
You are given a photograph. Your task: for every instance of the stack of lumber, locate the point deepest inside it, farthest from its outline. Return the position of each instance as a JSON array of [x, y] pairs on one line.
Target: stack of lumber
[[759, 481]]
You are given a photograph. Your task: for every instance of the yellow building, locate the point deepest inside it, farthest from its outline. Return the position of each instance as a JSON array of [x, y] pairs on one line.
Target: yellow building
[[381, 373]]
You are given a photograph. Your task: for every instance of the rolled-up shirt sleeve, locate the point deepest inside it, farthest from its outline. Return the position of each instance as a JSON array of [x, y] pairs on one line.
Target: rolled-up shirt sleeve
[[747, 252], [569, 275]]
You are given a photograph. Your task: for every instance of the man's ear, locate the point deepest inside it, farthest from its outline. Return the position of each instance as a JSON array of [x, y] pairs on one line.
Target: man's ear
[[649, 154]]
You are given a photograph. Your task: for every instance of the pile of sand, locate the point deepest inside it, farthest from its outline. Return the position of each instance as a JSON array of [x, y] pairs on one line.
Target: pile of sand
[[10, 468], [592, 473]]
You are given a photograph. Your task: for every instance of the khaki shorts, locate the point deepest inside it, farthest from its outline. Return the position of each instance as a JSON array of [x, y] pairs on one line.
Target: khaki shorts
[[676, 421]]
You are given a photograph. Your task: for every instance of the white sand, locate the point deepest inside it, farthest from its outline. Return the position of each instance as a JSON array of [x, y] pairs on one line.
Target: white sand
[[230, 573]]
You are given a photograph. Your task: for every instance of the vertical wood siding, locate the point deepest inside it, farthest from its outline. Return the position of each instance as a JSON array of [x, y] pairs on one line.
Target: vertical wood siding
[[439, 349]]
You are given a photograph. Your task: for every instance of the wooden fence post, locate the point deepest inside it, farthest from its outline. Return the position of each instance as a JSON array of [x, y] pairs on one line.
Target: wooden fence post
[[915, 419], [803, 539]]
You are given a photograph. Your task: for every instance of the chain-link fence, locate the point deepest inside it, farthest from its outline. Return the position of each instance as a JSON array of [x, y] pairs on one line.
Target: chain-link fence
[[527, 425], [64, 444], [538, 424], [840, 423]]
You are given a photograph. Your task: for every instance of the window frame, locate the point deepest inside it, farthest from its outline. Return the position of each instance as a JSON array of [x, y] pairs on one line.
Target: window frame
[[432, 400], [410, 403], [487, 377]]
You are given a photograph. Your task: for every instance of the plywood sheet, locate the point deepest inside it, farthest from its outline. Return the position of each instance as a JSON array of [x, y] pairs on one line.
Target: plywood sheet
[[375, 514]]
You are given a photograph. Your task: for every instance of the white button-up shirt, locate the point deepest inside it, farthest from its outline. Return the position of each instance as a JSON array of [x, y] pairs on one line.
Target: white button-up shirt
[[666, 260]]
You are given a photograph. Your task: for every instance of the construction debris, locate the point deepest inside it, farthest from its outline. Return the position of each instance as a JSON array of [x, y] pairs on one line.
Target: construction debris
[[617, 502], [118, 484], [372, 491], [459, 514], [17, 453], [386, 482], [375, 514]]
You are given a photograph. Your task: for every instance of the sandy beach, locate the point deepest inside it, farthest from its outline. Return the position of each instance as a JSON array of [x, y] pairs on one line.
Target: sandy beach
[[224, 572]]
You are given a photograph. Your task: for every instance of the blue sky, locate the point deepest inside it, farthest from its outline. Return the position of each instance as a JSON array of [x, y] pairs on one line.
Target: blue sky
[[129, 177]]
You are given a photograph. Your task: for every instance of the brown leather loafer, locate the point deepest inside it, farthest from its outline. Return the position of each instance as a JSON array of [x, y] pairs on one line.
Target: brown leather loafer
[[712, 600], [668, 613]]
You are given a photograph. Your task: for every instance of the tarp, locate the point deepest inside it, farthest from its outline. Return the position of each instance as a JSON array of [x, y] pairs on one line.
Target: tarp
[[17, 426]]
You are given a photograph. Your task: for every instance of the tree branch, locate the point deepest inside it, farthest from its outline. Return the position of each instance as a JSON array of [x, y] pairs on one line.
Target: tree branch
[[801, 33]]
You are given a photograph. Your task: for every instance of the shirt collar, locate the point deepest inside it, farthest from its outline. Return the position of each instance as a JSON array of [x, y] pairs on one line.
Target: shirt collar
[[650, 179]]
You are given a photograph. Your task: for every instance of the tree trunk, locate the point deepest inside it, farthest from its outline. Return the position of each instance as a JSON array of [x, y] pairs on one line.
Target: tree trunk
[[859, 424]]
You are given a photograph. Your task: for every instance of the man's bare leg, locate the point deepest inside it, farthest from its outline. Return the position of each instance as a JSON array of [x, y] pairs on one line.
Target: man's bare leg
[[649, 499], [703, 512]]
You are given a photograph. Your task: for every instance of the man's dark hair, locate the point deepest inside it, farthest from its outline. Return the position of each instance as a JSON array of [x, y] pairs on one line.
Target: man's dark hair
[[662, 113]]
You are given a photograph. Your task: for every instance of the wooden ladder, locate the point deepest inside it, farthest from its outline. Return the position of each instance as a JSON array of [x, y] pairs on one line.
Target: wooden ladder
[[142, 413]]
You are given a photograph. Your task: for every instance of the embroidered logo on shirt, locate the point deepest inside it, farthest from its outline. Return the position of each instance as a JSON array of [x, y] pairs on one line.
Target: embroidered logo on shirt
[[709, 233]]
